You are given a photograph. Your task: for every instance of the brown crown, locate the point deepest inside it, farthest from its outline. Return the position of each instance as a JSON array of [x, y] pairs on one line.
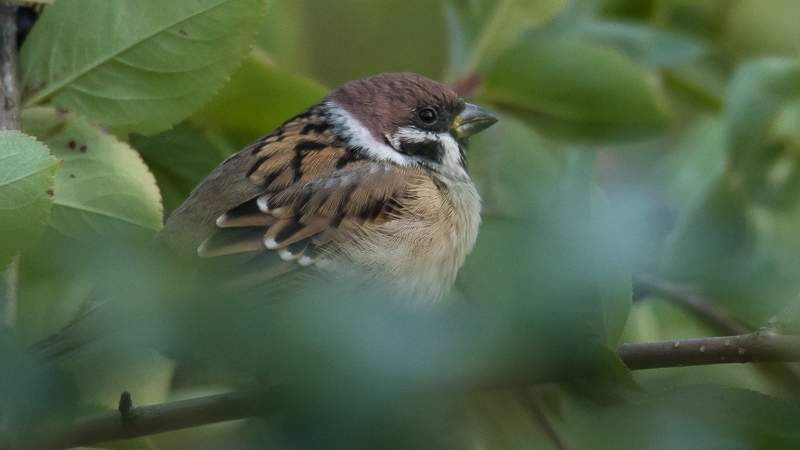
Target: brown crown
[[387, 101]]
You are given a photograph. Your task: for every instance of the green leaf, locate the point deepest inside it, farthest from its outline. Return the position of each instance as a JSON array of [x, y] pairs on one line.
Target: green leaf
[[548, 83], [757, 93], [606, 379], [752, 417], [136, 66], [258, 99], [714, 234], [616, 288], [762, 116], [32, 395], [651, 47], [489, 27], [102, 186], [27, 172], [696, 162], [180, 158]]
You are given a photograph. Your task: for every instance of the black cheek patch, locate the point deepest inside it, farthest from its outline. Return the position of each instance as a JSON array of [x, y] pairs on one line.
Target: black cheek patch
[[430, 150]]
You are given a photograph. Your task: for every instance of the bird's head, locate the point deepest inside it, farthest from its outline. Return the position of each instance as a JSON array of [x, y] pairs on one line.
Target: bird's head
[[407, 119]]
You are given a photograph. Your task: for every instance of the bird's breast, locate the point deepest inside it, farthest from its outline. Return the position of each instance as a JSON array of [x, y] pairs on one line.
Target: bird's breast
[[418, 254]]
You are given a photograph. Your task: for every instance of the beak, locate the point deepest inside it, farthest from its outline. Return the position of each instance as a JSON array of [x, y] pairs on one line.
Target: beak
[[472, 120]]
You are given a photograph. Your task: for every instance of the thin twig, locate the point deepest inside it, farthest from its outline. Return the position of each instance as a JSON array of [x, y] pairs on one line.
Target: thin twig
[[9, 282], [531, 401], [686, 298]]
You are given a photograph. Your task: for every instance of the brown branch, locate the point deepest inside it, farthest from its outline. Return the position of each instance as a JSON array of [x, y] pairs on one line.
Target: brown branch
[[758, 346], [686, 298], [9, 120], [8, 66], [134, 422]]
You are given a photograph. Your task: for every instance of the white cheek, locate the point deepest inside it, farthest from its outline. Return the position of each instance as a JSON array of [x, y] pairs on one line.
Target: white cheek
[[360, 137], [411, 134], [452, 153]]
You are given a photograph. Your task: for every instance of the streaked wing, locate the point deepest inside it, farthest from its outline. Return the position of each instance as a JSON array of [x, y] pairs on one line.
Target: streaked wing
[[311, 193]]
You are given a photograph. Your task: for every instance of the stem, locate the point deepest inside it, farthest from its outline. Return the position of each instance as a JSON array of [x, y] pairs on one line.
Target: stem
[[9, 285], [487, 34], [684, 297], [758, 346], [9, 120], [531, 401], [8, 66]]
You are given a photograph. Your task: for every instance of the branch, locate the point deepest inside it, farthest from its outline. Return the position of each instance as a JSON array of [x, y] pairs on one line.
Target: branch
[[129, 422], [715, 317], [9, 120], [686, 298], [758, 346]]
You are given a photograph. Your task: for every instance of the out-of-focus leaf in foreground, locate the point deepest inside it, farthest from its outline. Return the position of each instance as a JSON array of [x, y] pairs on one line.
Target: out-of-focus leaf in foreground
[[33, 397], [711, 237], [690, 417], [577, 90], [614, 277], [102, 187], [136, 66], [27, 172]]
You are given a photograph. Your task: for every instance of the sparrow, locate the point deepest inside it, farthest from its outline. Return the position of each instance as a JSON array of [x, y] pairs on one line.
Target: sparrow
[[370, 182]]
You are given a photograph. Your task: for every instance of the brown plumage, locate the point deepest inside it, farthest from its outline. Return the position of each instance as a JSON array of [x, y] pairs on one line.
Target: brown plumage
[[357, 185]]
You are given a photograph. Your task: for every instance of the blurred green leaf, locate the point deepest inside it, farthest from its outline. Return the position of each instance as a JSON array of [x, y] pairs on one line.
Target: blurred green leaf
[[696, 161], [258, 99], [34, 398], [492, 26], [516, 171], [102, 187], [753, 28], [763, 133], [691, 417], [548, 84], [639, 41], [715, 233], [757, 92], [753, 418], [101, 377], [616, 289], [179, 158], [27, 178], [647, 45], [136, 66], [336, 42]]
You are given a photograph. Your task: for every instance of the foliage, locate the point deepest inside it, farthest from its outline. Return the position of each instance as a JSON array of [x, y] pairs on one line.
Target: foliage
[[657, 138]]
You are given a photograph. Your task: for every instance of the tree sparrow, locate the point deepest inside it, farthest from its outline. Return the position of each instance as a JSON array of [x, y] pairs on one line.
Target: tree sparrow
[[369, 181]]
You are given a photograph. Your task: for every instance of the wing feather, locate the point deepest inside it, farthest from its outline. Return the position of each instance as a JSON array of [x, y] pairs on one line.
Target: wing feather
[[307, 193]]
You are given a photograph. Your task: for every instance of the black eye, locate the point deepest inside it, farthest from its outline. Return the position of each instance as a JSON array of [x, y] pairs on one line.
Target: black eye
[[427, 115]]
